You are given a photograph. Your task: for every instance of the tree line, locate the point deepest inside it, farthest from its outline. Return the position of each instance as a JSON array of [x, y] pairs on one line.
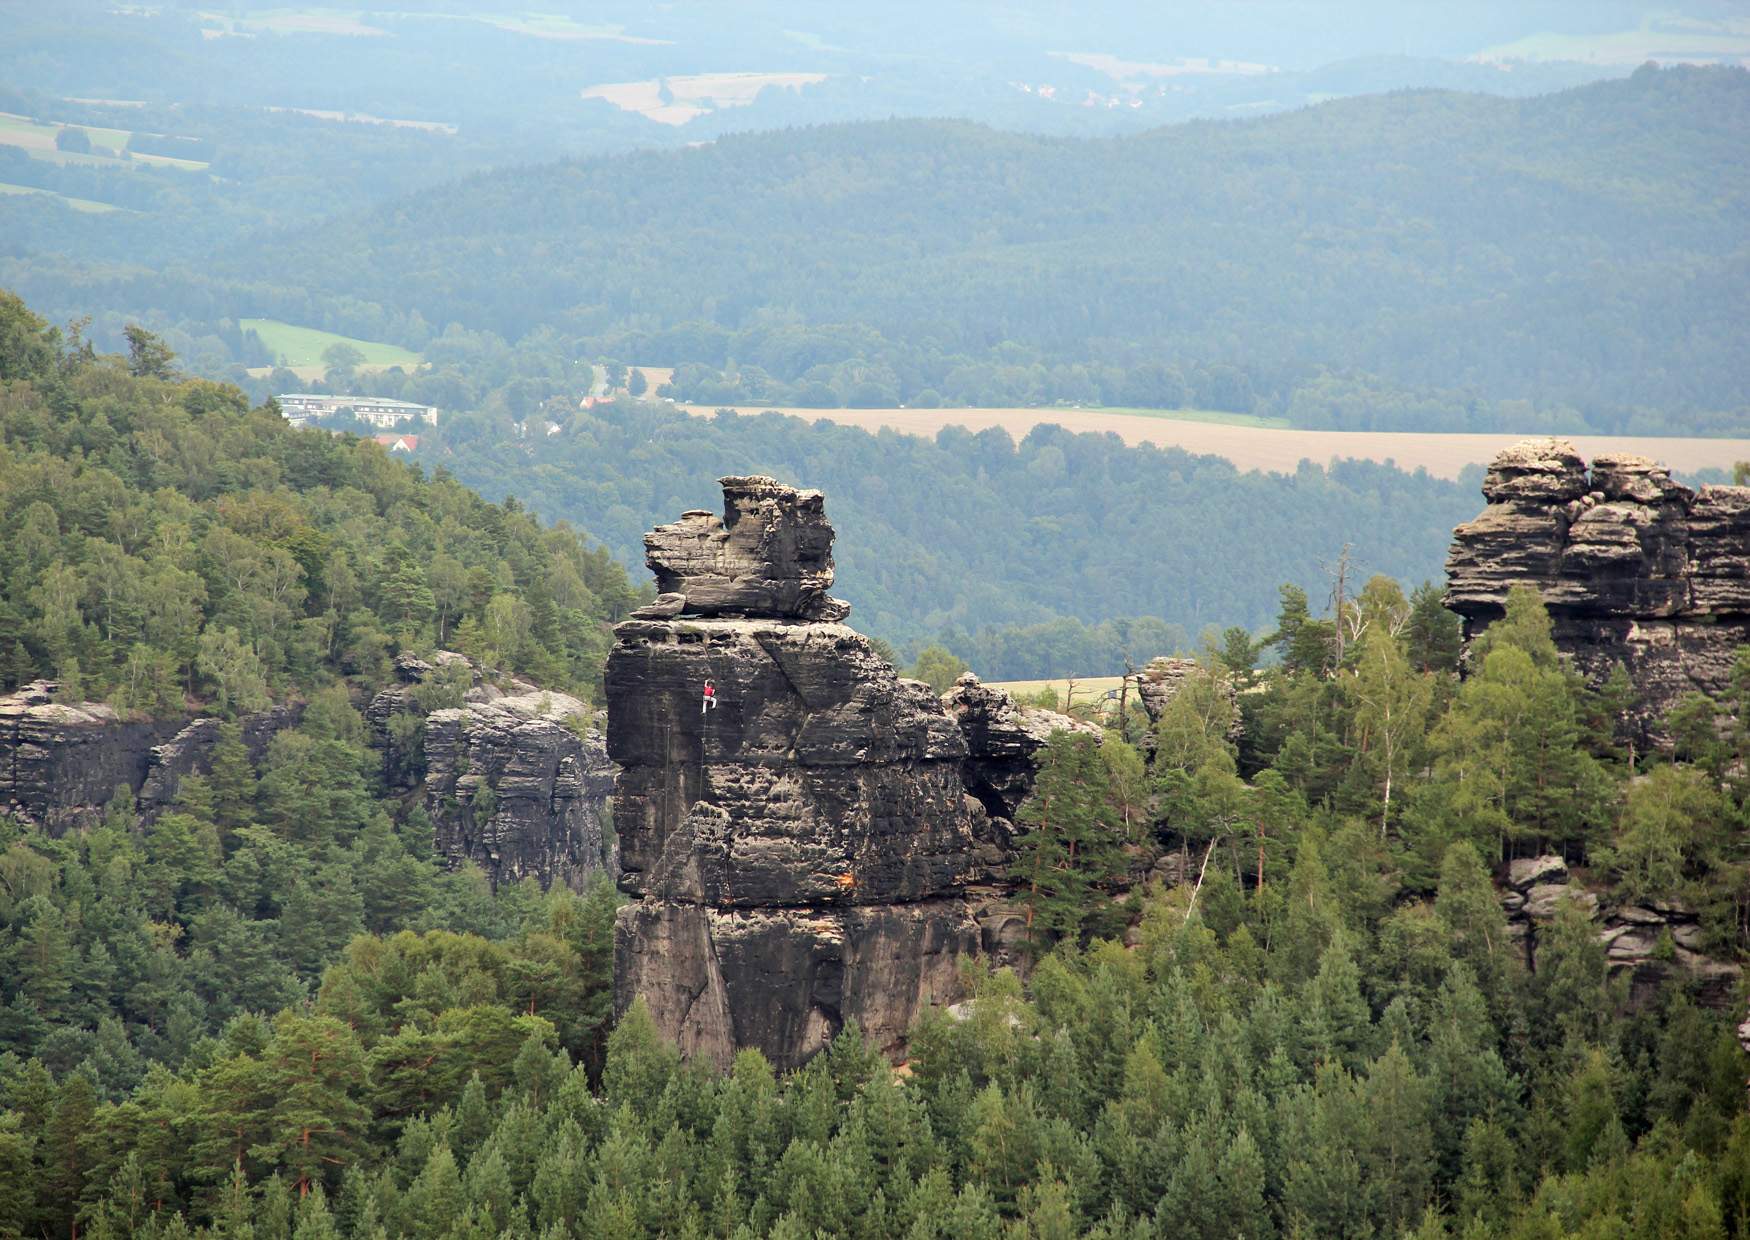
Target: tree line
[[1023, 558], [1228, 265]]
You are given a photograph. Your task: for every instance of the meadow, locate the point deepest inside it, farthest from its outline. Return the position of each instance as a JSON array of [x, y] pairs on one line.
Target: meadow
[[38, 137], [301, 348]]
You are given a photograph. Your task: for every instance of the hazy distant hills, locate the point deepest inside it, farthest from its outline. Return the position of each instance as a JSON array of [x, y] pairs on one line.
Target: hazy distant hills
[[1584, 249]]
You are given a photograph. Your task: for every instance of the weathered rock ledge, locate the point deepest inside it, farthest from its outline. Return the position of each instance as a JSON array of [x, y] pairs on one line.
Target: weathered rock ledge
[[61, 762], [1653, 943], [515, 780], [1634, 567]]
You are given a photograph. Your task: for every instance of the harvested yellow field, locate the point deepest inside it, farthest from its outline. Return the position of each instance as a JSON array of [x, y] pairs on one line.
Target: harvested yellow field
[[1077, 690], [694, 94], [1274, 449], [655, 376]]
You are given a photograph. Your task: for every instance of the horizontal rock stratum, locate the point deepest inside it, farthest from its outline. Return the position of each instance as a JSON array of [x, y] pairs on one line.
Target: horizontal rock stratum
[[790, 811], [1634, 567]]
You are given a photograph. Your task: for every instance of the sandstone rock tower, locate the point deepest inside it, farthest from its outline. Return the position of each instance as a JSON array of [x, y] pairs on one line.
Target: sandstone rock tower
[[796, 837], [1634, 567]]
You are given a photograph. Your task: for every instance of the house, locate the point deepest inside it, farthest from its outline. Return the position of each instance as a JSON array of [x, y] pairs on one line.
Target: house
[[302, 408], [398, 443]]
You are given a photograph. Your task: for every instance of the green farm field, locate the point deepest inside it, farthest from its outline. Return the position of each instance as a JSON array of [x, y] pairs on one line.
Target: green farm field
[[107, 145], [88, 205], [299, 347]]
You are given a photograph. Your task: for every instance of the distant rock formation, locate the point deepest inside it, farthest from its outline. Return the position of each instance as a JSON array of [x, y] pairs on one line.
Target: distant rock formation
[[516, 779], [1163, 678], [61, 762], [790, 811], [1634, 567]]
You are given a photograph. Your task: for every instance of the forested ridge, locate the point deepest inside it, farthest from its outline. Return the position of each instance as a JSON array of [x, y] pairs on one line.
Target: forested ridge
[[163, 546], [1226, 264], [1010, 554]]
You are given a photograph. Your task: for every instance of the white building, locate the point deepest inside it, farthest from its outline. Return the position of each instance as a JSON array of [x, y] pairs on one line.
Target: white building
[[302, 408]]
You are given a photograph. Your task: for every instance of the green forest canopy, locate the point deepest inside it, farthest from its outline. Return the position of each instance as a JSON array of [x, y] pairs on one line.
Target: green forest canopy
[[989, 546], [162, 542], [267, 1014]]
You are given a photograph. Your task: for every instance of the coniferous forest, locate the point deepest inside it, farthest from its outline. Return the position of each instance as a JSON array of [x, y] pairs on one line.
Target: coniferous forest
[[272, 1013]]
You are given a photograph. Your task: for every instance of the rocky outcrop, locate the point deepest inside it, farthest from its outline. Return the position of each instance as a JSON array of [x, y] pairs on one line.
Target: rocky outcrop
[[190, 752], [516, 779], [1162, 679], [1003, 739], [789, 810], [770, 554], [62, 762], [1634, 567], [1653, 943]]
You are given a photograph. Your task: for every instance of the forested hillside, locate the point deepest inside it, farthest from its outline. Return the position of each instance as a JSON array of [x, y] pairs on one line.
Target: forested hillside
[[1337, 1034], [1573, 260], [960, 538], [163, 545]]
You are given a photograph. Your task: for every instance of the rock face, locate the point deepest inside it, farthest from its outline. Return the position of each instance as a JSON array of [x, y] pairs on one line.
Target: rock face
[[508, 783], [1162, 679], [190, 752], [770, 554], [1002, 739], [798, 843], [60, 762], [1634, 567], [1652, 943]]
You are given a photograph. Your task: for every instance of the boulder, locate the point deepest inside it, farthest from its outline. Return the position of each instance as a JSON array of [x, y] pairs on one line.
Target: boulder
[[1543, 900], [1526, 872]]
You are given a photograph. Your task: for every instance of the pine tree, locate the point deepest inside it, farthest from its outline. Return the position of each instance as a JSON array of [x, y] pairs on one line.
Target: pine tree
[[314, 1119], [1399, 1158], [1070, 848]]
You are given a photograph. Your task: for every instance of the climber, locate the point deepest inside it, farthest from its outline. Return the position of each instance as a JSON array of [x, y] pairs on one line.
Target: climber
[[709, 701]]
